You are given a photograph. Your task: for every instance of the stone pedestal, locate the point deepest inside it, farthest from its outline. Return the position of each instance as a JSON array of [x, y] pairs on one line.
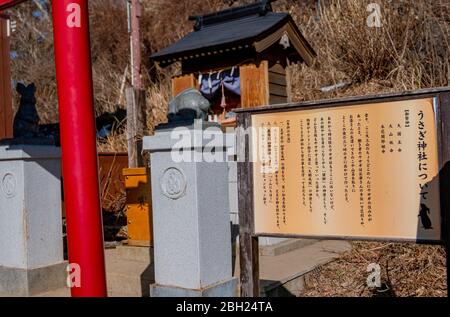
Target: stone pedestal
[[192, 249], [31, 252]]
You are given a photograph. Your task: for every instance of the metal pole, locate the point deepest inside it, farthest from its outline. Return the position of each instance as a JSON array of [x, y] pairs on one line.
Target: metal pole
[[135, 95], [136, 44], [78, 140]]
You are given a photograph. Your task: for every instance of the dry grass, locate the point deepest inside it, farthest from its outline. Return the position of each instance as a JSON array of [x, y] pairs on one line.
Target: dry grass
[[163, 22], [407, 270], [410, 51]]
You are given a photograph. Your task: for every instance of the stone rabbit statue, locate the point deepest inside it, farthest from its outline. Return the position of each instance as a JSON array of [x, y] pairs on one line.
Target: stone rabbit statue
[[188, 106], [26, 121]]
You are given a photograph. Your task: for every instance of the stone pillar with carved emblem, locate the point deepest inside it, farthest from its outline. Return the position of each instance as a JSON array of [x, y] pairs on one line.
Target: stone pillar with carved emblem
[[191, 222], [31, 252]]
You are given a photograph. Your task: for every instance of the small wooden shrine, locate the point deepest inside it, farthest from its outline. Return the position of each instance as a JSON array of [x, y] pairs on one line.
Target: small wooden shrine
[[238, 58]]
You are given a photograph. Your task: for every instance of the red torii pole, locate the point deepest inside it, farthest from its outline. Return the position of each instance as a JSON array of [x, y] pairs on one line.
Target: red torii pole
[[78, 143]]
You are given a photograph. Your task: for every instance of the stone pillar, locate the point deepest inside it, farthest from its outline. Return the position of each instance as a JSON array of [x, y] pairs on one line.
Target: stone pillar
[[31, 252], [191, 221]]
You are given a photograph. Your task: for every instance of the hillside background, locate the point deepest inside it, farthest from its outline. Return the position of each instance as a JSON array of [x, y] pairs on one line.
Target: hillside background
[[410, 51]]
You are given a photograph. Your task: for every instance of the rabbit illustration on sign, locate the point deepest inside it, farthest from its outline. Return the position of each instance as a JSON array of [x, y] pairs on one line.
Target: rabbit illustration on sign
[[424, 217]]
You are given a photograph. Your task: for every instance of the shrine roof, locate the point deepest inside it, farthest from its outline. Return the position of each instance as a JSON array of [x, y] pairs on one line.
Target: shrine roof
[[236, 29]]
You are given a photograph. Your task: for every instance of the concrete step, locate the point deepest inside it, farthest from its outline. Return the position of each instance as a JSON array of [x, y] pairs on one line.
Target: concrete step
[[284, 275], [284, 246], [135, 253], [281, 275], [125, 277], [128, 278], [62, 292]]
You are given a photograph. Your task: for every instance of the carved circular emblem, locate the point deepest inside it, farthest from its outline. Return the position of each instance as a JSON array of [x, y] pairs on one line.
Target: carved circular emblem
[[173, 183], [9, 185]]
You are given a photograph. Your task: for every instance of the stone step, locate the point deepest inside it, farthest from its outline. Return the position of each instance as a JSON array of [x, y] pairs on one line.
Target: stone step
[[284, 246], [129, 271], [135, 253], [281, 275], [284, 275], [128, 278], [62, 292]]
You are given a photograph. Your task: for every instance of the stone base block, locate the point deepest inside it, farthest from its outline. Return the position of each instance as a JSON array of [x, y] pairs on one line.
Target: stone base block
[[224, 289], [23, 282]]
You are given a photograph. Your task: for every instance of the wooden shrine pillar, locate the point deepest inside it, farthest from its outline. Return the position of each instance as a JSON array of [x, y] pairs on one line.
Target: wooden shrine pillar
[[181, 83], [254, 85], [261, 85], [6, 111]]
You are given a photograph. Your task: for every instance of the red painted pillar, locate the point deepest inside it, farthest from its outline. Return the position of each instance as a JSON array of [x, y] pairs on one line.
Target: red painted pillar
[[79, 151]]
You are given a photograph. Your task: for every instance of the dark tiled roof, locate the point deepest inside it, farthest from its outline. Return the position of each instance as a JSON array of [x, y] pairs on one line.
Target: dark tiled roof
[[5, 4], [240, 31]]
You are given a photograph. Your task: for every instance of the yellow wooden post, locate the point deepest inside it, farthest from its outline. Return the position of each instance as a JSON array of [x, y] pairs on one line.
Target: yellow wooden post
[[139, 207]]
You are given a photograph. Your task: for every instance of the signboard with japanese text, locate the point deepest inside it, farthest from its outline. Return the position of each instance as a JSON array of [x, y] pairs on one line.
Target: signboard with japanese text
[[368, 171]]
